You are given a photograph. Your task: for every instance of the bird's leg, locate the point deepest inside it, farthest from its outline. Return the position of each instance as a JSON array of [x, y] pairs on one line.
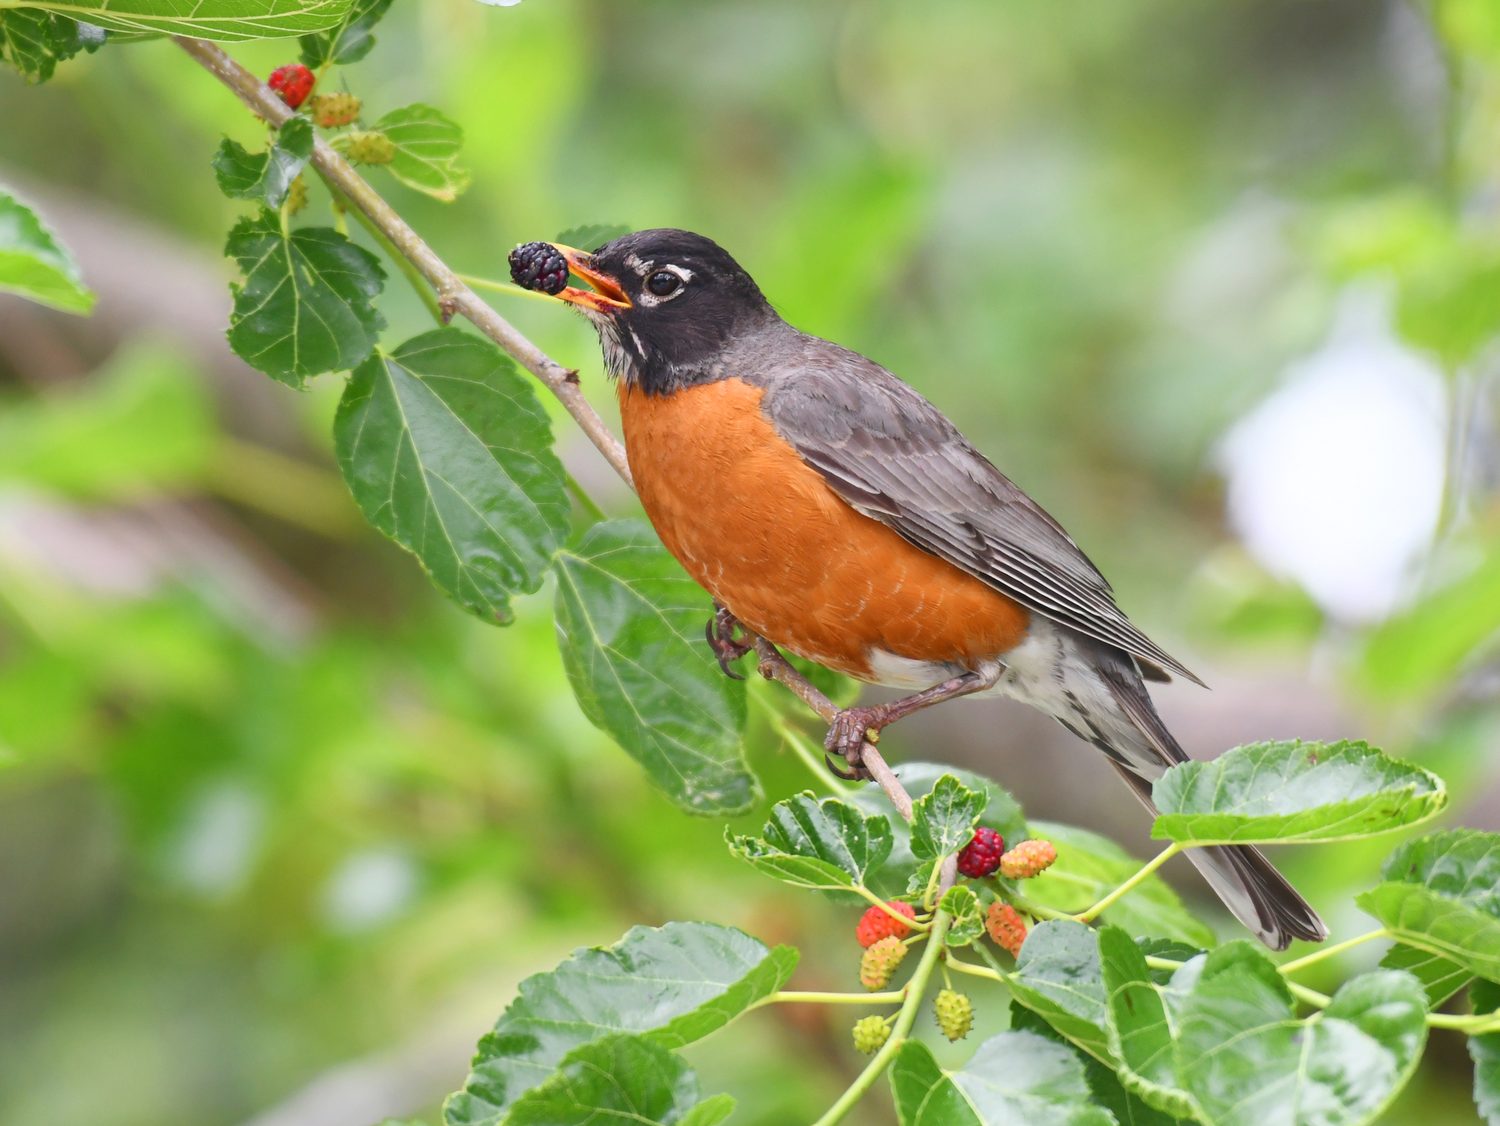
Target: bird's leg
[[722, 640], [852, 728]]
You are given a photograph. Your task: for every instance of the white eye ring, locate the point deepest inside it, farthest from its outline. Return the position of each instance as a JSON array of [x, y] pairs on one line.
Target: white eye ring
[[649, 297]]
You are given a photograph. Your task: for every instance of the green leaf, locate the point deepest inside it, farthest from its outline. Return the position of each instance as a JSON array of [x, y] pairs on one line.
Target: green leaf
[[224, 20], [591, 236], [1141, 1026], [1013, 1079], [1484, 997], [305, 307], [1248, 1061], [349, 40], [673, 984], [621, 1079], [143, 424], [1440, 977], [968, 916], [827, 845], [943, 820], [1089, 866], [33, 264], [34, 41], [1057, 977], [1002, 813], [1263, 793], [1442, 894], [630, 625], [265, 176], [427, 147], [1104, 1085], [447, 451]]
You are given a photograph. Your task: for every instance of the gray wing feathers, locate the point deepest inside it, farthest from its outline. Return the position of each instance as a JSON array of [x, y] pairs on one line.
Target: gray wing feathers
[[893, 456]]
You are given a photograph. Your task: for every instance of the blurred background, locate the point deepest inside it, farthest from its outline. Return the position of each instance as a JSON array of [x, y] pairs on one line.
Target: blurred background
[[281, 829]]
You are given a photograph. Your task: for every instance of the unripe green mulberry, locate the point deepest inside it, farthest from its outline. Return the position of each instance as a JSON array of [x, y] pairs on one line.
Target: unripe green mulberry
[[331, 110], [955, 1014], [880, 961], [870, 1034], [367, 146]]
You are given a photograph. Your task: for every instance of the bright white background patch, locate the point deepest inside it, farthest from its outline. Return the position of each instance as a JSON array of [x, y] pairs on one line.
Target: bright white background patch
[[1336, 479]]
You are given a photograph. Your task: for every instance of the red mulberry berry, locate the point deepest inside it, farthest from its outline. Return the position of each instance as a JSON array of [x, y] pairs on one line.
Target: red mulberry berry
[[877, 923], [292, 82], [981, 856], [540, 266], [1027, 859]]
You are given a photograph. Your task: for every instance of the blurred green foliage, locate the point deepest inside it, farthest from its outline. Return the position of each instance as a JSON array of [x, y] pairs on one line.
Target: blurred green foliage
[[269, 805]]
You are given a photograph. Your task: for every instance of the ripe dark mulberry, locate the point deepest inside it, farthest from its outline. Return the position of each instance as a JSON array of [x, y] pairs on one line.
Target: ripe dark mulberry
[[292, 82], [539, 265], [981, 856]]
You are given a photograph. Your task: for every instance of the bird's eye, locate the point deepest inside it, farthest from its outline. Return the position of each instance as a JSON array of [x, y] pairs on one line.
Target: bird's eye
[[663, 282]]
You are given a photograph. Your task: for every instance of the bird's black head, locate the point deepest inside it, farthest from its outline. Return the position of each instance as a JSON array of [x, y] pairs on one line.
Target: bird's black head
[[665, 303]]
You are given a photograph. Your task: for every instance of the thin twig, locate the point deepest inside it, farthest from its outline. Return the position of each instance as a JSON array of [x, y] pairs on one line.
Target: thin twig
[[452, 292], [455, 296]]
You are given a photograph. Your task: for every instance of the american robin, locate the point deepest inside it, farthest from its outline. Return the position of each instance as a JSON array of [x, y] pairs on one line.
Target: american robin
[[833, 510]]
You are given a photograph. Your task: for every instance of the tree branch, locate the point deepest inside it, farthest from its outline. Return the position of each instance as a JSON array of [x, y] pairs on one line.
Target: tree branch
[[452, 292], [455, 296]]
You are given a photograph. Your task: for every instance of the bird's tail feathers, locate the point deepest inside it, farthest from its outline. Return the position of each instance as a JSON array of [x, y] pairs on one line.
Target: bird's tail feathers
[[1250, 886]]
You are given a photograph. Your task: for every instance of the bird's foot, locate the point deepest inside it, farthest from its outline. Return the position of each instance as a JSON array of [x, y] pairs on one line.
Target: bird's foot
[[848, 733], [726, 647]]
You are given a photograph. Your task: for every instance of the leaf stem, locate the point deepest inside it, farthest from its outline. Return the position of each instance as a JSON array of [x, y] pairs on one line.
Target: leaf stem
[[876, 901], [1329, 951], [1301, 992], [1129, 885], [1309, 996], [792, 997], [916, 989], [581, 495], [800, 745], [1471, 1024], [972, 970], [477, 282]]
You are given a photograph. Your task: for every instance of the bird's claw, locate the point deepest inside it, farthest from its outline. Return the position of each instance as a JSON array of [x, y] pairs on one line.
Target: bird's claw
[[720, 635], [848, 733]]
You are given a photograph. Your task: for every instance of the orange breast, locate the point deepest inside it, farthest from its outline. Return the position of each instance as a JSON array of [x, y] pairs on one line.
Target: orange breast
[[759, 529]]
